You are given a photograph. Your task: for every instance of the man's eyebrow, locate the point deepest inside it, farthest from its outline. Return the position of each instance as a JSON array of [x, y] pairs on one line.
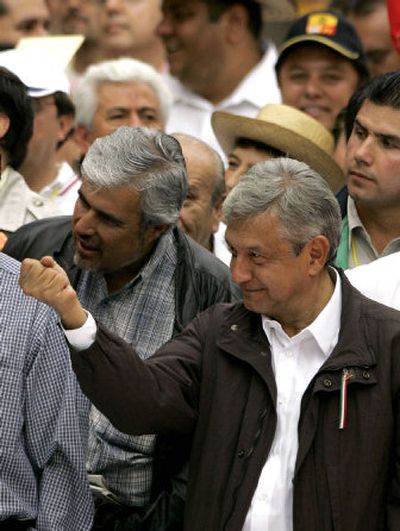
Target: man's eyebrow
[[395, 139], [99, 212]]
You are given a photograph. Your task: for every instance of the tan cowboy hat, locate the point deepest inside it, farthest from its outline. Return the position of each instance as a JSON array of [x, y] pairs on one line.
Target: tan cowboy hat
[[287, 129]]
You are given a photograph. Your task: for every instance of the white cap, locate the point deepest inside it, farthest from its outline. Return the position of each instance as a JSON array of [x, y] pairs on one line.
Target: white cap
[[39, 72]]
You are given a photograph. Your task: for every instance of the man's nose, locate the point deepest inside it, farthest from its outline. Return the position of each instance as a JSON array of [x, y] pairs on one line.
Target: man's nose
[[240, 269], [165, 27]]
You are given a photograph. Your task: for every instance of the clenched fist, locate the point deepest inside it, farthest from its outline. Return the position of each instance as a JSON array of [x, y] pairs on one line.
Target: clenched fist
[[46, 281]]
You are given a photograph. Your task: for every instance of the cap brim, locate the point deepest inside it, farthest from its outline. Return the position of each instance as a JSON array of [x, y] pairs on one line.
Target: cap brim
[[320, 40], [39, 92], [229, 127]]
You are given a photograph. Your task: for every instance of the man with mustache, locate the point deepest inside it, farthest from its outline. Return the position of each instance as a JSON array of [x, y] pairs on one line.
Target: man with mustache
[[371, 222], [144, 279], [292, 396]]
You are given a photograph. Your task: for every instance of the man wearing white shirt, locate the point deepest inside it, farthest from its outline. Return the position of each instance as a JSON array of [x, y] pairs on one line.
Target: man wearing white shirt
[[217, 60], [291, 397]]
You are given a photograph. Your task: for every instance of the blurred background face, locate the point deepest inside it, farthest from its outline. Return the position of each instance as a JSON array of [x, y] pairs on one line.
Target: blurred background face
[[318, 81], [193, 43], [240, 160], [374, 32], [129, 24], [126, 103], [25, 18], [74, 16]]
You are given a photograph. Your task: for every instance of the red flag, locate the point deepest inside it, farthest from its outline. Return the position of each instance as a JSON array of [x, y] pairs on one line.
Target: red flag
[[393, 7]]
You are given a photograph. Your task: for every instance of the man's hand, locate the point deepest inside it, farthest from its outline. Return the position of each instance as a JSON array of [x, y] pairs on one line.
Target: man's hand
[[46, 281]]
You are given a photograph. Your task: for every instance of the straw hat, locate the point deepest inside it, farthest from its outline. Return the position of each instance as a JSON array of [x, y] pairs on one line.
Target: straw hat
[[285, 128]]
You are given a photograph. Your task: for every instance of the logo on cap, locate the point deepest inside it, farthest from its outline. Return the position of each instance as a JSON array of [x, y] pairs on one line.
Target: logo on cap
[[322, 23]]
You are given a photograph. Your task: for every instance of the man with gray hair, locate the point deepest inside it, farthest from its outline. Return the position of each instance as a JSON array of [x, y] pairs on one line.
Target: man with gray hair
[[292, 397], [145, 280], [119, 92]]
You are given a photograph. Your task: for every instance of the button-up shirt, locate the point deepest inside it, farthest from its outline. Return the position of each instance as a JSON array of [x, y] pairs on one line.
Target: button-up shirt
[[295, 361], [44, 416], [191, 113], [142, 313], [360, 247]]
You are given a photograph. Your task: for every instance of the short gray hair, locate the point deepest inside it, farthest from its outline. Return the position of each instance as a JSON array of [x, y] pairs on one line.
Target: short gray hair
[[300, 197], [122, 70], [147, 160]]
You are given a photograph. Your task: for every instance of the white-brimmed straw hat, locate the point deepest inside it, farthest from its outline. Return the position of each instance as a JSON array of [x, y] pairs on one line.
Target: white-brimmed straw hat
[[287, 129]]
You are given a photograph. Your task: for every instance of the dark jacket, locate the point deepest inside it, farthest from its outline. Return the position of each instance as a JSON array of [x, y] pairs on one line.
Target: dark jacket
[[215, 380], [200, 281]]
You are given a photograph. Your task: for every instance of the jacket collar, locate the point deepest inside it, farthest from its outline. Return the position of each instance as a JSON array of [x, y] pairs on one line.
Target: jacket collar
[[242, 335]]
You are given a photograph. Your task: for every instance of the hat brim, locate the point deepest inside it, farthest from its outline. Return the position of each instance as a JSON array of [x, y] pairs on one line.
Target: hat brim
[[320, 39], [229, 127]]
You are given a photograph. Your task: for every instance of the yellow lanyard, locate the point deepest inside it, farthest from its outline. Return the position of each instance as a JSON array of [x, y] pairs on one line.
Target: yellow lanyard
[[354, 251]]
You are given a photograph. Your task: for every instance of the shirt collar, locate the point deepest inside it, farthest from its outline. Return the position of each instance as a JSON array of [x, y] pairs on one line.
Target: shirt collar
[[164, 250], [251, 89], [325, 327]]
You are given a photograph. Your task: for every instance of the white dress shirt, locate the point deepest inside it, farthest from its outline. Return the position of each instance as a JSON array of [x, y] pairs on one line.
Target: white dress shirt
[[295, 361], [191, 113], [379, 280]]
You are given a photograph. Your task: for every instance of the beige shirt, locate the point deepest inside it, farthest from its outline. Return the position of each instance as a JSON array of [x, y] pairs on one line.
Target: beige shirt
[[361, 250], [19, 204]]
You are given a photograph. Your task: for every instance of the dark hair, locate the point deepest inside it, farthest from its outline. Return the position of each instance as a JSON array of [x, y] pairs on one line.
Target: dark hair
[[4, 9], [260, 146], [16, 104], [64, 104], [382, 90], [255, 22]]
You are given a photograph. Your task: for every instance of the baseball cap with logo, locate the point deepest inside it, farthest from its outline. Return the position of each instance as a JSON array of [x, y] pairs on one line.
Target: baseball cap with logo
[[327, 28]]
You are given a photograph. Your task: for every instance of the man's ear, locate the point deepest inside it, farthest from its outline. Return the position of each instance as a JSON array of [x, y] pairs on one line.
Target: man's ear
[[66, 122], [318, 252], [216, 216], [83, 138], [234, 23]]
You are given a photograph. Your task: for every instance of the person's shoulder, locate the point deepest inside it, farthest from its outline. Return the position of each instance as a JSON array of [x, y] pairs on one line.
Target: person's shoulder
[[379, 280], [202, 259], [9, 266], [38, 238]]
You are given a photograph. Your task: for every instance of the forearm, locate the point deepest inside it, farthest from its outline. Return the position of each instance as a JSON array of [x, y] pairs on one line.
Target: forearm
[[137, 397]]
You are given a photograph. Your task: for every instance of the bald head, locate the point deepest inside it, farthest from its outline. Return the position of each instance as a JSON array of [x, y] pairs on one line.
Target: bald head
[[201, 212]]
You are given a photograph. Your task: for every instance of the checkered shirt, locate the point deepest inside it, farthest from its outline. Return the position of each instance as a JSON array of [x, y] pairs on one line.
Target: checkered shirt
[[43, 416], [142, 313]]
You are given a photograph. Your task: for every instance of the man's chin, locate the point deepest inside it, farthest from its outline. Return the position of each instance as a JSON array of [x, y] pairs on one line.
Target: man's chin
[[84, 263]]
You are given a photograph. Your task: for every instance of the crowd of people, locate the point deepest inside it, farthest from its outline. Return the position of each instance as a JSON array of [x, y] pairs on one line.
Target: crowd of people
[[199, 256]]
